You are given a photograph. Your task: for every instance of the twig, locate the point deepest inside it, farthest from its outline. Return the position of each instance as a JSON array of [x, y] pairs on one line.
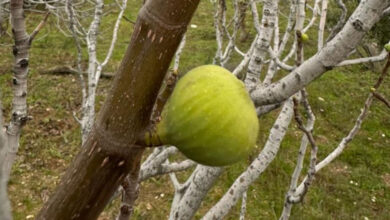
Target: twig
[[313, 158], [381, 98], [39, 27], [321, 28], [341, 21], [300, 48], [300, 159], [378, 58], [129, 195], [128, 19], [170, 85], [352, 133]]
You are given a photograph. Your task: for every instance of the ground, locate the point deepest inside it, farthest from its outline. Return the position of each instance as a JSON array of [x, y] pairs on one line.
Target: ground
[[355, 186]]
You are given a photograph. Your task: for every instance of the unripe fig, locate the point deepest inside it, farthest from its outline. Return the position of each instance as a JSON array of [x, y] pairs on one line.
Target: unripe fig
[[387, 47], [210, 117], [305, 37]]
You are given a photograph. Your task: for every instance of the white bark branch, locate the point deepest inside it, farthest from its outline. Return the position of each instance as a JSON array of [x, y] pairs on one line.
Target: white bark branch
[[341, 21], [189, 197], [343, 144], [381, 57], [243, 205], [321, 27], [364, 17], [268, 22], [301, 155], [165, 168], [178, 54]]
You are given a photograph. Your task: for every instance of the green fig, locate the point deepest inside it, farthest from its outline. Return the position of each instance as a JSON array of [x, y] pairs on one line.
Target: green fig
[[305, 37], [210, 117], [387, 47]]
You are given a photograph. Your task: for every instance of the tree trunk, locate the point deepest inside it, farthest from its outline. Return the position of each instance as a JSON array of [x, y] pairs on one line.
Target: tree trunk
[[3, 16], [109, 153]]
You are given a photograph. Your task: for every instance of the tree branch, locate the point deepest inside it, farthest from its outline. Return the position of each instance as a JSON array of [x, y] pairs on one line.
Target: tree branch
[[109, 153], [39, 27], [364, 17], [382, 98]]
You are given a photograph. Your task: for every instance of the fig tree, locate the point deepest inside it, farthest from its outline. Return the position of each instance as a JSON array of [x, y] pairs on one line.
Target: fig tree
[[210, 117]]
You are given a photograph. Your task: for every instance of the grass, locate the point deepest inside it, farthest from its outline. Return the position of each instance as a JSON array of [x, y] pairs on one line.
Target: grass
[[355, 186]]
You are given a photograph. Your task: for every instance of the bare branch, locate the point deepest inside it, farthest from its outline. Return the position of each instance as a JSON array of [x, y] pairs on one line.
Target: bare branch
[[39, 27], [114, 36], [352, 133], [189, 196], [165, 168], [381, 57], [382, 98], [261, 50], [313, 158], [341, 21], [364, 17], [321, 27], [262, 110], [301, 155], [129, 194], [244, 62], [178, 55]]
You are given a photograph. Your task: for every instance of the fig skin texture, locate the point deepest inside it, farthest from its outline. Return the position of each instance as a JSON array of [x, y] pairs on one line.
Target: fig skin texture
[[210, 117]]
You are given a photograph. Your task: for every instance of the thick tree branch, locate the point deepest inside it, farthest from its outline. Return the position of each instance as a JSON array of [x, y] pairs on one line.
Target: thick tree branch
[[109, 153]]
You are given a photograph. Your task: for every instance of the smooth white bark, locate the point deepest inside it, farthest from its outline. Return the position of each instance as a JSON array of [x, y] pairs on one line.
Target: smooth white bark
[[189, 196], [260, 52], [364, 17]]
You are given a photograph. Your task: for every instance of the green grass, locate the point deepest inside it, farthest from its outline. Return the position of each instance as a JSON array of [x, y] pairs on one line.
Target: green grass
[[52, 138]]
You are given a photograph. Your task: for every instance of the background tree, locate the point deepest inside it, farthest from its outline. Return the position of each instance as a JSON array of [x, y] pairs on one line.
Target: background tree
[[10, 135]]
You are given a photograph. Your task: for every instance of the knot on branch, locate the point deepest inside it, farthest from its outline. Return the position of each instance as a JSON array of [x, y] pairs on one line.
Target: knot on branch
[[358, 25], [294, 199], [126, 210], [14, 81], [20, 118], [14, 50], [267, 12], [23, 63]]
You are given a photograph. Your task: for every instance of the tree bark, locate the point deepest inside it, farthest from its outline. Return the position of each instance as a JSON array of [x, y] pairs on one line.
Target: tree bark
[[5, 208], [334, 52], [109, 153], [3, 15]]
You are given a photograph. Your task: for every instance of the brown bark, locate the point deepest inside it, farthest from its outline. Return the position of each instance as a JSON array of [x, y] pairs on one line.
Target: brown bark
[[109, 153]]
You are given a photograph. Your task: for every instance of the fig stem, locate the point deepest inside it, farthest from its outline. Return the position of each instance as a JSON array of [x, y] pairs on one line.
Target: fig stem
[[149, 138]]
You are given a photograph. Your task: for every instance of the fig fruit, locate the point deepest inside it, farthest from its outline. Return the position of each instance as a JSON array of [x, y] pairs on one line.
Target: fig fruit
[[210, 117], [305, 37], [387, 47]]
